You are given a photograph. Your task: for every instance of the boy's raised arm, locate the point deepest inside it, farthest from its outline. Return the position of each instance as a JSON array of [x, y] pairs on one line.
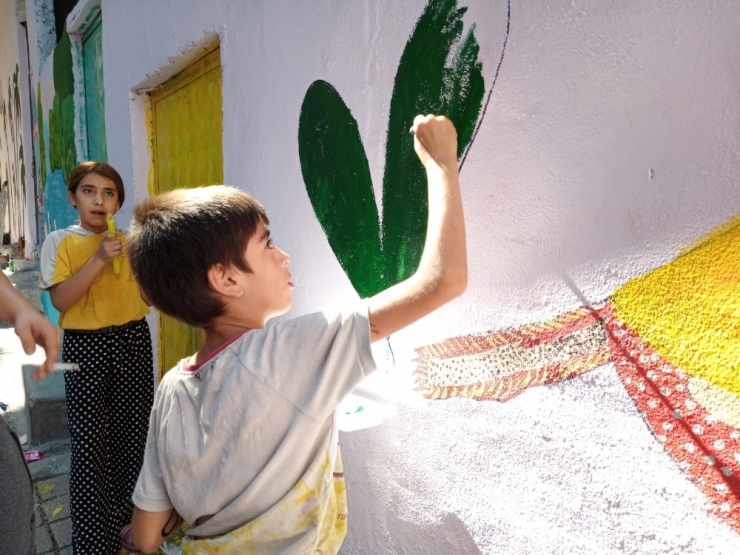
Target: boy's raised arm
[[443, 270]]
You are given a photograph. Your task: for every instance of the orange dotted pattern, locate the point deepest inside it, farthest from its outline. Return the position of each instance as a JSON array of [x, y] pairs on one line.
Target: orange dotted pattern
[[531, 335], [706, 449]]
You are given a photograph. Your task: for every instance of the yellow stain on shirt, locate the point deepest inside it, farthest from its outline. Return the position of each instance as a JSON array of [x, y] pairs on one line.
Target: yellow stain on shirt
[[312, 509], [688, 310]]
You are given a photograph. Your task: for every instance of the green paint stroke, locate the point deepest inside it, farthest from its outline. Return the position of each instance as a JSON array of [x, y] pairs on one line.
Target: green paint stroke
[[61, 117], [42, 140], [439, 73], [337, 177]]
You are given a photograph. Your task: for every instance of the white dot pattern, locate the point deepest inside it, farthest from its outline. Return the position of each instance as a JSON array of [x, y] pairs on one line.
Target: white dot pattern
[[108, 404]]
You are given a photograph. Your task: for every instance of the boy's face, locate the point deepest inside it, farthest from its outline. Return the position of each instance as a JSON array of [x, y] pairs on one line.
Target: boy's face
[[267, 289]]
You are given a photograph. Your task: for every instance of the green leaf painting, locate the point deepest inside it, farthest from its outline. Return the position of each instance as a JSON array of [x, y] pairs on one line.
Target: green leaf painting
[[62, 153], [341, 193], [439, 73]]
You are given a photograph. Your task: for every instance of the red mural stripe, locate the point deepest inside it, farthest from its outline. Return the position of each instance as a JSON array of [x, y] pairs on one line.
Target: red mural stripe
[[704, 448]]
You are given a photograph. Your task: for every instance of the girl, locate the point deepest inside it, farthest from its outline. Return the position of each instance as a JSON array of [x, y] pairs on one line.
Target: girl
[[109, 398]]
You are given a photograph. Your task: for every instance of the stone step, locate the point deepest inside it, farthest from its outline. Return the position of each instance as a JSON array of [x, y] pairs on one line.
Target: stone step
[[45, 407], [56, 461]]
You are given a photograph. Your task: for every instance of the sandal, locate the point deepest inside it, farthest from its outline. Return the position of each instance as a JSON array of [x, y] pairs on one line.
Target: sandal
[[127, 540]]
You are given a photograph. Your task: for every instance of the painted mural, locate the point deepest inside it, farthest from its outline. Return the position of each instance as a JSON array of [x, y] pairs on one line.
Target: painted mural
[[54, 133], [54, 130], [673, 336], [12, 160], [92, 56], [439, 72]]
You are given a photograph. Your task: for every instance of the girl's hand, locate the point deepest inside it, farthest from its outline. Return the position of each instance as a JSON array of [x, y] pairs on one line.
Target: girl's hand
[[110, 247]]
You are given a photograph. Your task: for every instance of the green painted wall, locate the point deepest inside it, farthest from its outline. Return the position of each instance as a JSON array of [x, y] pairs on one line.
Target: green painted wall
[[440, 73]]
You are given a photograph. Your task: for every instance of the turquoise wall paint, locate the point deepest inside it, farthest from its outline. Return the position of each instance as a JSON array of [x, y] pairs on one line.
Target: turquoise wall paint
[[92, 52]]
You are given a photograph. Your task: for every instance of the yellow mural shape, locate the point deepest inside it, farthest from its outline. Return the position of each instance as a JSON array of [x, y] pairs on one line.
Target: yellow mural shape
[[688, 311], [721, 404], [187, 126]]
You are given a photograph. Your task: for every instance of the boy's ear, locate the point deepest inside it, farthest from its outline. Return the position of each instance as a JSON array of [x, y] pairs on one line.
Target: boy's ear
[[221, 279]]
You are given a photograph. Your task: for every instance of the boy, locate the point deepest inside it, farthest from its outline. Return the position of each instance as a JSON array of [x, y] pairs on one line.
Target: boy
[[242, 438]]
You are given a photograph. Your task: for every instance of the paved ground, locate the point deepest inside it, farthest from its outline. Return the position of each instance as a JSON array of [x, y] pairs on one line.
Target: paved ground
[[51, 474]]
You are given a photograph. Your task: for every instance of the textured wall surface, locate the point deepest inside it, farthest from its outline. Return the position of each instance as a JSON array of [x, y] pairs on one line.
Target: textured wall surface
[[15, 127], [599, 196]]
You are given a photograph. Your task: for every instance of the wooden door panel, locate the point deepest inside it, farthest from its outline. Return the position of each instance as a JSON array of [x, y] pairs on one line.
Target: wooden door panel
[[187, 119]]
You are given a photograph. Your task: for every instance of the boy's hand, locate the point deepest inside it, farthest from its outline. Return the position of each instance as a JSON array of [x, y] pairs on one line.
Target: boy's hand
[[30, 326], [144, 298], [435, 141], [33, 329], [442, 274], [110, 247]]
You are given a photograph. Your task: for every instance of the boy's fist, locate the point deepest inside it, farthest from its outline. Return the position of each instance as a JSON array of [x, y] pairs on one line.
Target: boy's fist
[[435, 141]]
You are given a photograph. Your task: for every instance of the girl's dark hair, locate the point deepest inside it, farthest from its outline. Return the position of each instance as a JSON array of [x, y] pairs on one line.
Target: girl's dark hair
[[100, 168], [175, 237]]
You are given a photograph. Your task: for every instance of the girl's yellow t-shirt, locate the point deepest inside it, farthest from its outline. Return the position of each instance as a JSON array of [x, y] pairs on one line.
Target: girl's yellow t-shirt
[[112, 300]]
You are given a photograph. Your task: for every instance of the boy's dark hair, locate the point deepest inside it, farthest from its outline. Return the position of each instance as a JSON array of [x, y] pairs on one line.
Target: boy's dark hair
[[100, 168], [177, 236]]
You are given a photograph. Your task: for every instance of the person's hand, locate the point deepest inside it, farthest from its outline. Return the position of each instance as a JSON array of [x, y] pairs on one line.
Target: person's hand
[[435, 141], [110, 247], [33, 329]]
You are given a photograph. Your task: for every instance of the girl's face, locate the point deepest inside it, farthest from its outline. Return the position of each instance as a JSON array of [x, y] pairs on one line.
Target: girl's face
[[96, 196]]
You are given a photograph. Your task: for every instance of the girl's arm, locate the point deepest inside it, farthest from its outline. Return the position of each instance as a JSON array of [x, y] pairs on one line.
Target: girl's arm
[[30, 326], [68, 292]]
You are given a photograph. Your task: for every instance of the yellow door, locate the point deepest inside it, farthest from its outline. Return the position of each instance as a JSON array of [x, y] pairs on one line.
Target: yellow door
[[187, 130]]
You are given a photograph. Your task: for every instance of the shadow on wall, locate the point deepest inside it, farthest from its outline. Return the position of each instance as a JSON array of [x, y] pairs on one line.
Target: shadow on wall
[[674, 338], [442, 538]]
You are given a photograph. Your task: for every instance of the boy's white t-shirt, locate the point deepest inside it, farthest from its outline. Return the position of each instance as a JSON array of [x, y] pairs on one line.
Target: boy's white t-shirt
[[236, 439]]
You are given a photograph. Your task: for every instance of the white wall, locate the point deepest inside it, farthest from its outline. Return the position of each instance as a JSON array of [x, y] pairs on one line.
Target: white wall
[[611, 140], [14, 52]]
